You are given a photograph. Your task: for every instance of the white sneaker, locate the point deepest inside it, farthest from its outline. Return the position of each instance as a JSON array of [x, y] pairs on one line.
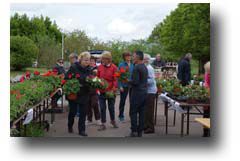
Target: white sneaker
[[88, 122], [99, 122]]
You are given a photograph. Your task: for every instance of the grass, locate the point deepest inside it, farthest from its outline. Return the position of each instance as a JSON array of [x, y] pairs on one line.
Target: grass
[[30, 69]]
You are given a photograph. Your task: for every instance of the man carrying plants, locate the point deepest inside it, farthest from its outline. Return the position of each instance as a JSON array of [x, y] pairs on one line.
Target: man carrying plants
[[77, 90]]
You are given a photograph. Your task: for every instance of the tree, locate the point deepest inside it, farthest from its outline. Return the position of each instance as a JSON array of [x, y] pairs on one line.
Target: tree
[[23, 52], [186, 29], [77, 41]]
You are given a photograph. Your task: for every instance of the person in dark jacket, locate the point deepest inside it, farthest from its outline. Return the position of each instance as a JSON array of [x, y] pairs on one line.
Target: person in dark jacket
[[59, 70], [59, 67], [138, 95], [158, 62], [184, 69], [83, 70]]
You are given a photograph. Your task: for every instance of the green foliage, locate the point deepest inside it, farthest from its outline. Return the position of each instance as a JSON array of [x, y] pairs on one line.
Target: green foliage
[[71, 86], [45, 34], [186, 29], [24, 95], [23, 52]]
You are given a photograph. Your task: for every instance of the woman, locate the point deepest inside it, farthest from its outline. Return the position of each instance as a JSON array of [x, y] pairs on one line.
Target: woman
[[151, 95], [106, 71], [124, 87], [83, 70], [206, 109], [93, 100]]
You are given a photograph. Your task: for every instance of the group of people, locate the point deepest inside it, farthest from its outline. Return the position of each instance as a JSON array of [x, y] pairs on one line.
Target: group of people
[[141, 84], [141, 88]]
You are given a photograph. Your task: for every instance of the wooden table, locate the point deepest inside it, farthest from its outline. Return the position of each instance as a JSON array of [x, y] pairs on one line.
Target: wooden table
[[204, 121], [187, 107]]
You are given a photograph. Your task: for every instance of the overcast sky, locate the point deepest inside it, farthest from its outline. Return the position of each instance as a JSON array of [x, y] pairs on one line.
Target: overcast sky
[[104, 21]]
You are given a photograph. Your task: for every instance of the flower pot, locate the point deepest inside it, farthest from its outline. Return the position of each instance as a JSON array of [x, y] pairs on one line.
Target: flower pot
[[159, 90], [191, 101], [72, 96]]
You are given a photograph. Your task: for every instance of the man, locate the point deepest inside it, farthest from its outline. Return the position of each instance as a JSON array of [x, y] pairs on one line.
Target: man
[[151, 95], [138, 95], [184, 69], [59, 67], [124, 86], [158, 62]]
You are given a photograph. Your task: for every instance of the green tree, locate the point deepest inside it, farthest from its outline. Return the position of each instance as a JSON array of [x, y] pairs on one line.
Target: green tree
[[23, 52], [186, 29]]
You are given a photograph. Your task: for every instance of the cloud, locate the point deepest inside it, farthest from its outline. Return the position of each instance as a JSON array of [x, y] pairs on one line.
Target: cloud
[[119, 26]]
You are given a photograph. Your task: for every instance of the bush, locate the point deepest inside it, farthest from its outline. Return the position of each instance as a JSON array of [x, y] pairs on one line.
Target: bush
[[23, 52]]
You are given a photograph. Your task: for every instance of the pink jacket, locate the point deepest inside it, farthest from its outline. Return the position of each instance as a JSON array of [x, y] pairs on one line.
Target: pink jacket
[[207, 80]]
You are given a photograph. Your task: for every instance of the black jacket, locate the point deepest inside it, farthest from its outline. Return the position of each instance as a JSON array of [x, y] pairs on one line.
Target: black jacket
[[60, 69], [184, 71], [139, 78], [76, 68], [160, 63]]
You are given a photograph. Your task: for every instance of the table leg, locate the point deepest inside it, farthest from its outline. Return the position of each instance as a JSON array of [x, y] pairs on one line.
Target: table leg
[[155, 111], [166, 114], [188, 115], [174, 118], [182, 124]]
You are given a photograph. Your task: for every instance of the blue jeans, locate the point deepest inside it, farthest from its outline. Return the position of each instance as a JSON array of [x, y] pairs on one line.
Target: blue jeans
[[103, 106], [138, 100]]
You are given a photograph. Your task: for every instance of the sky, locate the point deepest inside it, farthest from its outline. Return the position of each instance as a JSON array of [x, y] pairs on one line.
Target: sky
[[124, 22]]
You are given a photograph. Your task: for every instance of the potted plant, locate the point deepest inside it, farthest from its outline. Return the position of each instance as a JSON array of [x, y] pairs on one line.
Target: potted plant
[[123, 74], [96, 82], [71, 88]]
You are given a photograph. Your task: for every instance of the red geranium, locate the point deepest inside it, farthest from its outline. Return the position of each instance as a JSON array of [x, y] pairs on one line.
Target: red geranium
[[63, 81], [70, 75], [36, 73], [116, 75], [22, 79], [77, 75], [28, 74], [122, 70]]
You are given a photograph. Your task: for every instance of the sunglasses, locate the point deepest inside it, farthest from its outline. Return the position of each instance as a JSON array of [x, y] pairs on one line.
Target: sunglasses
[[61, 62]]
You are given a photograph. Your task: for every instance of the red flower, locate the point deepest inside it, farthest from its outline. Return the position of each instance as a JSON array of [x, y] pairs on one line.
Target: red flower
[[70, 75], [28, 74], [127, 68], [55, 71], [36, 73], [122, 70], [63, 81], [22, 79], [77, 75], [117, 74]]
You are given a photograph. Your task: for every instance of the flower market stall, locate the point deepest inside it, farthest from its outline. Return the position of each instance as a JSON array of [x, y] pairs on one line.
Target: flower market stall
[[30, 99]]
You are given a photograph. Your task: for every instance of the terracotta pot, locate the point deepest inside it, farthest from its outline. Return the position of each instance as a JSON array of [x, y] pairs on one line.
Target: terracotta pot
[[72, 96], [159, 90], [191, 101]]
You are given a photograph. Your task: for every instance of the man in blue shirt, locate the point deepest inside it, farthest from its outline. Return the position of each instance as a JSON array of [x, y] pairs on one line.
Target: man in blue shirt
[[124, 87]]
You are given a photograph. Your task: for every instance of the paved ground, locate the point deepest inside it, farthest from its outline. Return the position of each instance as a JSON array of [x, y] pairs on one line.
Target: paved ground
[[59, 127]]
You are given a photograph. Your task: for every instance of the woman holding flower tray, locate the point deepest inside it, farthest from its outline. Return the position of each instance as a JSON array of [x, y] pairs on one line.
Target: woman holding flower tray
[[125, 69], [106, 71], [78, 72]]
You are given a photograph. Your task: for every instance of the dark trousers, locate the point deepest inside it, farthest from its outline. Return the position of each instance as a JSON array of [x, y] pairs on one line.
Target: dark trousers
[[72, 113], [149, 112], [93, 108], [103, 106], [55, 98], [123, 97], [138, 100]]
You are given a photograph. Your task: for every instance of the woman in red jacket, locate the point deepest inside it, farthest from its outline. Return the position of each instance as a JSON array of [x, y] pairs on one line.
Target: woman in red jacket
[[106, 71]]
